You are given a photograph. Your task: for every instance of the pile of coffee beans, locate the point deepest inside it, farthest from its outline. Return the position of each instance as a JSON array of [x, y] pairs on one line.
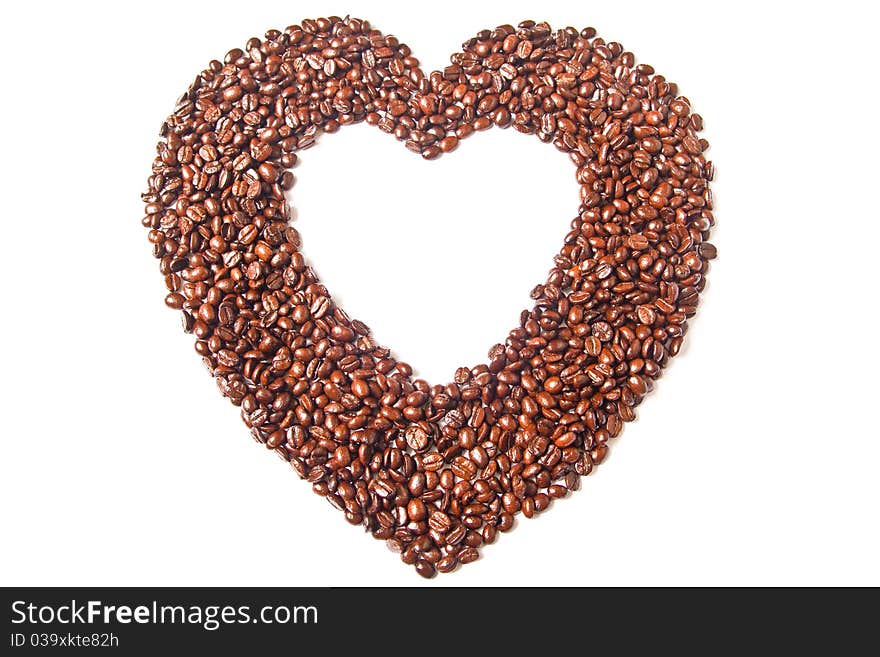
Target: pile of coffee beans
[[435, 470]]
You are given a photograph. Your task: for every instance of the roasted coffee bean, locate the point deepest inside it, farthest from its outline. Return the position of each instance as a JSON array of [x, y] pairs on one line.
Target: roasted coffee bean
[[416, 510], [468, 555], [436, 471], [708, 251], [439, 522], [425, 569], [464, 467], [417, 438], [175, 300], [447, 564]]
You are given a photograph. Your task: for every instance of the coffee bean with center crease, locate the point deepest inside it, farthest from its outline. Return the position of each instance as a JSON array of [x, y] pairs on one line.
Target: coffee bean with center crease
[[425, 569], [439, 522], [436, 470], [417, 438]]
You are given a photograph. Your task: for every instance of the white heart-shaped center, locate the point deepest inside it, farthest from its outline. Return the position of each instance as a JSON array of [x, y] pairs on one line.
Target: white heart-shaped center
[[437, 258]]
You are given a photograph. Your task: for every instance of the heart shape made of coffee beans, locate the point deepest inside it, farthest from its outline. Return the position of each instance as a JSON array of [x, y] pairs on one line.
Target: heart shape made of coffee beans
[[437, 471]]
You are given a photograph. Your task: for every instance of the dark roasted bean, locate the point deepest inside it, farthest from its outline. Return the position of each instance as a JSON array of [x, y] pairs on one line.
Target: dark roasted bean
[[708, 251], [416, 510], [417, 438], [425, 569], [439, 522], [174, 300]]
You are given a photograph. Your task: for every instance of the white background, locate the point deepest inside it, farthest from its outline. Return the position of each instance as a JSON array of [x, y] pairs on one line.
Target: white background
[[754, 462]]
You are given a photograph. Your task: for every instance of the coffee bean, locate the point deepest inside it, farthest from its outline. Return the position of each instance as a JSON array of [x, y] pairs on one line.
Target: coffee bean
[[319, 307], [447, 564], [708, 251], [383, 488], [468, 555], [439, 522], [425, 569], [456, 535], [267, 172], [553, 385], [417, 438], [360, 388], [646, 315], [432, 462], [638, 242], [175, 300], [397, 108], [448, 144], [342, 333], [437, 471], [464, 467], [416, 510], [602, 331], [227, 358]]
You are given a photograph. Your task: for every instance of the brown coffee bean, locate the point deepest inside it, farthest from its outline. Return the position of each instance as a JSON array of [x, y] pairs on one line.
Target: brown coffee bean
[[342, 333], [553, 385], [447, 564], [602, 331], [416, 510], [425, 569], [432, 462], [227, 358], [175, 300], [267, 172], [463, 467], [417, 438], [439, 522], [646, 315], [456, 535], [448, 144], [431, 152], [383, 488], [638, 242], [360, 388], [468, 555], [708, 251]]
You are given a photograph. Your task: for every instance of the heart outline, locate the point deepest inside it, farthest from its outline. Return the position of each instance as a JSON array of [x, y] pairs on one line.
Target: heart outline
[[254, 349]]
